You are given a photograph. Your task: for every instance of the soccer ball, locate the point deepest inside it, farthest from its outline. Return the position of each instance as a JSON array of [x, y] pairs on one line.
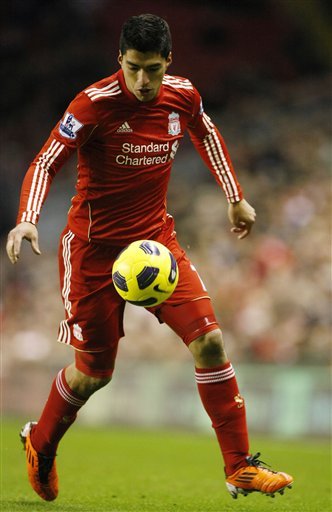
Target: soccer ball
[[145, 273]]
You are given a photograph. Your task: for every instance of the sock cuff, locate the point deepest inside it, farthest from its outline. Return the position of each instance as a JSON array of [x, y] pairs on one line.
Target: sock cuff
[[66, 393], [214, 375]]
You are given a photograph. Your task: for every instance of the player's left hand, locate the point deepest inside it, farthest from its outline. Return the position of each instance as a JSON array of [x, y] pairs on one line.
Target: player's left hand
[[242, 216]]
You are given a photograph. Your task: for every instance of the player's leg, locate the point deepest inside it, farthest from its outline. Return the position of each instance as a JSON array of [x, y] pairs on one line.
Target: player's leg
[[69, 392], [189, 313], [93, 327], [219, 392], [195, 323]]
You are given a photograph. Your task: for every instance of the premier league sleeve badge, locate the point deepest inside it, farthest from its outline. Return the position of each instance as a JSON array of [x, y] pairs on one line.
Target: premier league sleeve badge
[[69, 126]]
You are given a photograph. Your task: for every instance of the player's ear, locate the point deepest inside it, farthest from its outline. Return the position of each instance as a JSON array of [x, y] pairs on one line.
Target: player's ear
[[120, 58], [169, 59]]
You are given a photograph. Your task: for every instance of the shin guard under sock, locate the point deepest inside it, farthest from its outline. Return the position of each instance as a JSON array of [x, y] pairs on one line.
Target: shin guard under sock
[[59, 413], [221, 399]]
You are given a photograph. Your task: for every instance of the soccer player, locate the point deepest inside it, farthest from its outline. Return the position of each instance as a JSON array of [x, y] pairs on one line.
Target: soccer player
[[126, 130]]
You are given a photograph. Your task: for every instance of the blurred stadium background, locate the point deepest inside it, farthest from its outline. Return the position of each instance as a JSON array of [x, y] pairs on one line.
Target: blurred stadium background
[[263, 68]]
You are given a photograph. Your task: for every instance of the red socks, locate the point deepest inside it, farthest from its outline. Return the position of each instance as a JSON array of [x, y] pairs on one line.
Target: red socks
[[221, 399], [218, 391], [59, 413]]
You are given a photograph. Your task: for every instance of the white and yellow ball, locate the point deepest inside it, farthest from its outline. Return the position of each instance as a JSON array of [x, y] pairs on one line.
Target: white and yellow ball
[[145, 273]]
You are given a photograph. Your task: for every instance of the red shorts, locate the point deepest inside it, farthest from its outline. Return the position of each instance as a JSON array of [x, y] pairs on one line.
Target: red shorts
[[94, 310]]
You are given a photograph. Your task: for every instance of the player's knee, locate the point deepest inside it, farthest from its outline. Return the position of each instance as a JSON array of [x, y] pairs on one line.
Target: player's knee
[[84, 385], [208, 350], [90, 385]]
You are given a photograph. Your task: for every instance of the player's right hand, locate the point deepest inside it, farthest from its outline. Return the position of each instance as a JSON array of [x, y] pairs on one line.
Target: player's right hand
[[24, 230]]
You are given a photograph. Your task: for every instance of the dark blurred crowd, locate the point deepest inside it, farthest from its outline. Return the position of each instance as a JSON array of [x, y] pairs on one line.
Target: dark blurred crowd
[[271, 291]]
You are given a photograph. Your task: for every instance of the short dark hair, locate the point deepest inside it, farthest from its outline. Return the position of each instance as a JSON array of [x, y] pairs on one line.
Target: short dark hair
[[146, 33]]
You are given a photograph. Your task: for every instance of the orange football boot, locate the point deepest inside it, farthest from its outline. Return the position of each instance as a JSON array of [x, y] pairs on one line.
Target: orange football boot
[[257, 477], [41, 468]]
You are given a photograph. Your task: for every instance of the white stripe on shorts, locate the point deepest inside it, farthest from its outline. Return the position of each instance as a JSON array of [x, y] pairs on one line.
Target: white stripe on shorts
[[64, 335], [66, 253]]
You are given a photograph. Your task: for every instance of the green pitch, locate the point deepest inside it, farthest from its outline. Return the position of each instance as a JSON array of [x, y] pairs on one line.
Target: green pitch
[[138, 471]]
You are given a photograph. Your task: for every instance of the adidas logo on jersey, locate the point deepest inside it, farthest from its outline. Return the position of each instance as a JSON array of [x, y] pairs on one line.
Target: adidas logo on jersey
[[124, 128]]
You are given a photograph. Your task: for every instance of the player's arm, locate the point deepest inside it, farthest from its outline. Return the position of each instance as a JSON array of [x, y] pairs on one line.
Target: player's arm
[[34, 190], [72, 131], [212, 148]]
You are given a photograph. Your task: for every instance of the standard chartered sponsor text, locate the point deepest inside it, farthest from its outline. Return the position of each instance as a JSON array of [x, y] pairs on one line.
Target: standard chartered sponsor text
[[130, 152]]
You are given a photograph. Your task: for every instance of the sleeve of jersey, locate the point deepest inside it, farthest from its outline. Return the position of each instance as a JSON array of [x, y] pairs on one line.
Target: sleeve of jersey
[[212, 148], [72, 131]]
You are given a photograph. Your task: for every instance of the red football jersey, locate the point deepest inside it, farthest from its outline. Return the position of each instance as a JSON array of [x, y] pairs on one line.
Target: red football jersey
[[125, 153]]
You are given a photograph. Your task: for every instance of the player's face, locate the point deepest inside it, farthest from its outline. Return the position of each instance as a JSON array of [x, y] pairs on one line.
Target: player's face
[[144, 72]]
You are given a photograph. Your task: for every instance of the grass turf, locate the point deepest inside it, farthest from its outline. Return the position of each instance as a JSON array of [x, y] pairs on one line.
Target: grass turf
[[111, 470]]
